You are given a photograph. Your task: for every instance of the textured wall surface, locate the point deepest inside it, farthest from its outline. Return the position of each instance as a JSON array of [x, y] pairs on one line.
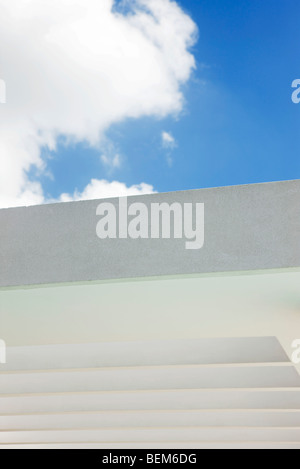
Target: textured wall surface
[[248, 227]]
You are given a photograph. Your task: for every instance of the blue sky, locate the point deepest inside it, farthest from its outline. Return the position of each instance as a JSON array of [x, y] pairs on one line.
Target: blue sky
[[238, 125]]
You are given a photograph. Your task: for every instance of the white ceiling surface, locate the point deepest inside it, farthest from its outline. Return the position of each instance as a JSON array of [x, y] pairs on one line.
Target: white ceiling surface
[[141, 393], [141, 365], [241, 305]]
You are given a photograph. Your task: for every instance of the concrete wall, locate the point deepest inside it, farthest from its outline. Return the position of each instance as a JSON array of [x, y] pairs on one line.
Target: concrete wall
[[249, 227]]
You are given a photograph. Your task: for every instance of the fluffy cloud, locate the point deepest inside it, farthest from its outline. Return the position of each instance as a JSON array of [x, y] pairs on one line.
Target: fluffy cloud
[[98, 189], [72, 68]]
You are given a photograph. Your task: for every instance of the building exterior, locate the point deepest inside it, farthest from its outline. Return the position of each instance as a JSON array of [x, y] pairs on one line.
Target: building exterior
[[139, 342]]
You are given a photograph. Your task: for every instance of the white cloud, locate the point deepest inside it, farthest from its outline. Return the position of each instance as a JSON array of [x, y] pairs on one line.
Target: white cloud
[[75, 67], [99, 189], [168, 141], [110, 157], [113, 162]]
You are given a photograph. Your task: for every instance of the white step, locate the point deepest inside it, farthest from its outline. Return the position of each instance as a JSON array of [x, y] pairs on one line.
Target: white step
[[146, 353], [163, 435], [96, 420], [136, 379]]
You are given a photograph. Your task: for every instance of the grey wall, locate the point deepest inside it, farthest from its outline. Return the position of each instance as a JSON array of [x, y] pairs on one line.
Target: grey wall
[[246, 228]]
